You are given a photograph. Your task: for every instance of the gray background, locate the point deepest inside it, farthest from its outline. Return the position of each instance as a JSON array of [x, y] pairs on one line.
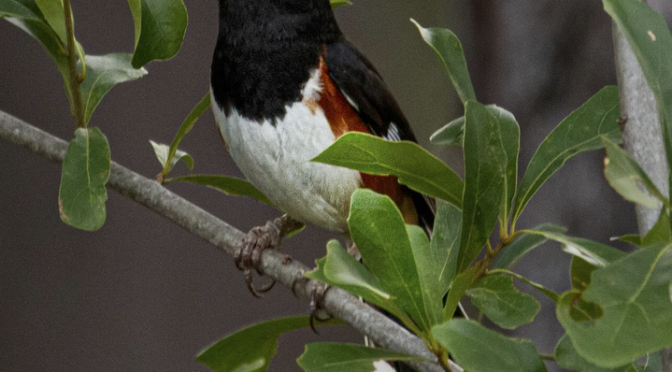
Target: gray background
[[143, 295]]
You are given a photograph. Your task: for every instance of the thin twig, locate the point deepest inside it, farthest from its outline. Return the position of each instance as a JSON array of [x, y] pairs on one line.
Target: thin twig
[[223, 236]]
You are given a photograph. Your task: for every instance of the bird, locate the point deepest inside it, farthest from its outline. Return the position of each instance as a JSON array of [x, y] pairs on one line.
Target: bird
[[285, 85]]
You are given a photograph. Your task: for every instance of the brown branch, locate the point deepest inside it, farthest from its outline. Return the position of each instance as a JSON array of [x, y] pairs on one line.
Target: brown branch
[[151, 194]]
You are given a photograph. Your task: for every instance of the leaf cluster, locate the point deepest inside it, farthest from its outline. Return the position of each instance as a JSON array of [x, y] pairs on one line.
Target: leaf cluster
[[619, 308]]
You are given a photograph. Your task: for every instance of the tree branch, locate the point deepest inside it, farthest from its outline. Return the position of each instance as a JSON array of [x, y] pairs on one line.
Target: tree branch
[[642, 135], [197, 221]]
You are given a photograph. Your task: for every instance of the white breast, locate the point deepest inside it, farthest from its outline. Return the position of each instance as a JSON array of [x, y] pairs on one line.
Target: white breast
[[276, 159]]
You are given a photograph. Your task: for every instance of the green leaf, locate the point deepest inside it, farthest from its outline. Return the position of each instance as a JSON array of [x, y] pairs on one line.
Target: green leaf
[[102, 74], [463, 281], [583, 130], [650, 39], [485, 163], [595, 253], [449, 50], [160, 26], [634, 293], [445, 242], [628, 238], [13, 8], [579, 272], [338, 3], [452, 135], [478, 349], [567, 357], [510, 136], [86, 168], [543, 290], [523, 245], [188, 123], [251, 349], [162, 153], [428, 270], [54, 13], [413, 165], [626, 176], [580, 310], [378, 229], [334, 357], [497, 298], [660, 232], [449, 135], [228, 185], [341, 269]]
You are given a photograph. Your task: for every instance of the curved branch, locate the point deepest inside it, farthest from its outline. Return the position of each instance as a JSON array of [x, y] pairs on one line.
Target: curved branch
[[197, 221]]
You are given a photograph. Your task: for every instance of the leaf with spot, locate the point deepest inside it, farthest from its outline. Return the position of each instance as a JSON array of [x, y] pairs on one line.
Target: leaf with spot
[[579, 273], [634, 295], [497, 298], [86, 168], [251, 349], [485, 163], [228, 185], [449, 50], [414, 166], [583, 130], [478, 349], [160, 26]]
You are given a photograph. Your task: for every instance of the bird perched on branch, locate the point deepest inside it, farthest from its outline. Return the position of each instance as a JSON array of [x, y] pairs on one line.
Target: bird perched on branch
[[286, 84]]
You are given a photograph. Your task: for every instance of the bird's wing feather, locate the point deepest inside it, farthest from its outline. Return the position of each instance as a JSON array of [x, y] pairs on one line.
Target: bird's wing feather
[[369, 96]]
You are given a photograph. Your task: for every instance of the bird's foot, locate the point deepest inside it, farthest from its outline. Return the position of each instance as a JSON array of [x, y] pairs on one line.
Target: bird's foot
[[316, 310], [260, 238]]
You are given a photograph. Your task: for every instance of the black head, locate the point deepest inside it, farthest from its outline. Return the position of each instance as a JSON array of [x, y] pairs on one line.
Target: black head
[[265, 52], [276, 19]]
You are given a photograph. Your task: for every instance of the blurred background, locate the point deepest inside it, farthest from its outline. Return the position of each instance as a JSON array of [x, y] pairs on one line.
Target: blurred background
[[141, 294]]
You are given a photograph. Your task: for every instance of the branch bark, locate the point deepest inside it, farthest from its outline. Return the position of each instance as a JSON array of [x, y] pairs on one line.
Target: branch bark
[[642, 135], [223, 236]]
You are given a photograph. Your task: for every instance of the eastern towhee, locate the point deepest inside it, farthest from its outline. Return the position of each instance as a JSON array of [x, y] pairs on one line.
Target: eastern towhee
[[285, 85]]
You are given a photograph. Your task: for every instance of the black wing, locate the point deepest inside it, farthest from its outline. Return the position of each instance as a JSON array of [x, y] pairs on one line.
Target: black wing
[[368, 94]]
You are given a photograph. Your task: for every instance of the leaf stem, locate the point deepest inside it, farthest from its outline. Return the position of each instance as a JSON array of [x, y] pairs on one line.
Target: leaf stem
[[75, 79]]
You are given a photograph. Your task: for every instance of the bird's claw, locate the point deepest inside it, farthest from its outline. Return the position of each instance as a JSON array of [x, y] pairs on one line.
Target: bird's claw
[[316, 311], [260, 238]]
